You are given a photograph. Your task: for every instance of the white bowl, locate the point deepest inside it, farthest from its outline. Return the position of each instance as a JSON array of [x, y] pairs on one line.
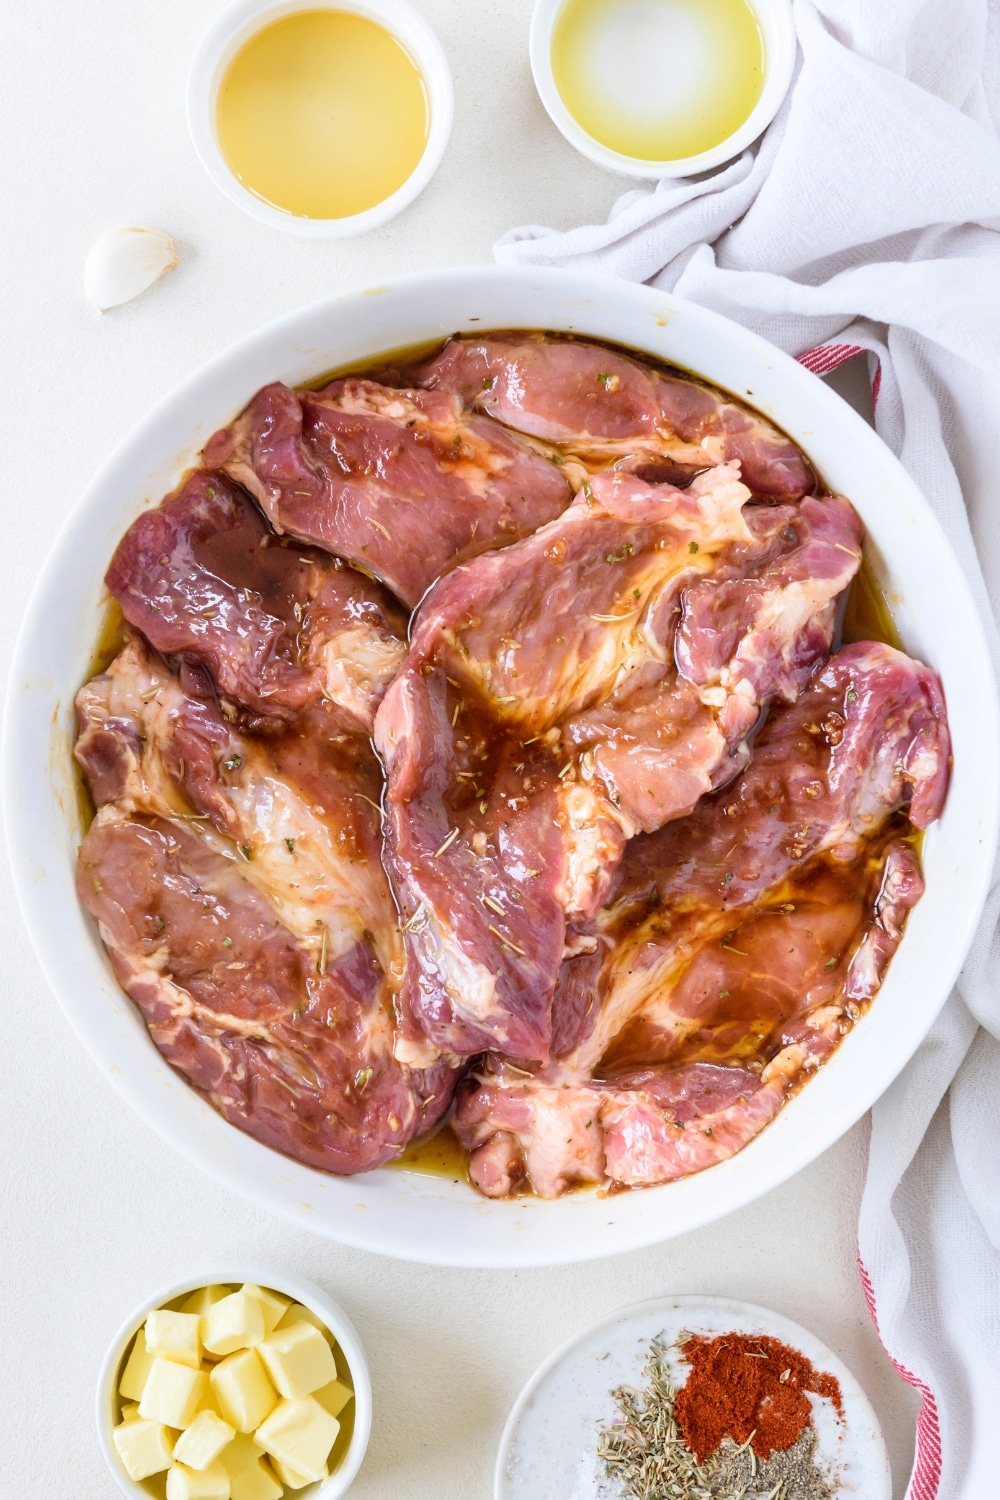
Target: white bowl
[[300, 1290], [778, 28], [400, 1213], [243, 20]]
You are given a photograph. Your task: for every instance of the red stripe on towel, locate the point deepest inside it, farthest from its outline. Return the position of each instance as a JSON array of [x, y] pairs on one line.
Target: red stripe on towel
[[827, 357], [926, 1476]]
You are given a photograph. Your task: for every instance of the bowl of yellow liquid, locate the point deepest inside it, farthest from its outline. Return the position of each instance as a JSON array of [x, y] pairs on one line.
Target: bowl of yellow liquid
[[662, 88], [322, 119]]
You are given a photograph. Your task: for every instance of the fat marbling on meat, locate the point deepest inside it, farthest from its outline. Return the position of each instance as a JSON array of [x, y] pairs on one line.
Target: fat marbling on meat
[[740, 943], [402, 483], [278, 628], [539, 723], [238, 890], [597, 401]]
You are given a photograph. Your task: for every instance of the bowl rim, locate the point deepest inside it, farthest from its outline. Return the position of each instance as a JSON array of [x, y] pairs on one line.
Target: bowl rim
[[242, 20], [300, 1289], [777, 24], [576, 301]]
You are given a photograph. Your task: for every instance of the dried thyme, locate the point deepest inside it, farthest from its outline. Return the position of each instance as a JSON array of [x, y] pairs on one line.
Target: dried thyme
[[644, 1450]]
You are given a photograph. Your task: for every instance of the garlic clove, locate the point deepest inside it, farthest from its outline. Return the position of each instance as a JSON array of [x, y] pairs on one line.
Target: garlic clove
[[123, 263]]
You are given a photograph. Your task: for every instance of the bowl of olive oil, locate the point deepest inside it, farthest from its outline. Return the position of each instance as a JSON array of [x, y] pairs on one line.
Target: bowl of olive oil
[[662, 88], [322, 119]]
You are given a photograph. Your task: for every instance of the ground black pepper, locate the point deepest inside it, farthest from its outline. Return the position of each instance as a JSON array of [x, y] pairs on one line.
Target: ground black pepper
[[789, 1474]]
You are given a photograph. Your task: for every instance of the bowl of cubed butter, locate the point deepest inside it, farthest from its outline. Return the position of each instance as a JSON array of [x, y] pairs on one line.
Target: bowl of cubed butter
[[245, 1384]]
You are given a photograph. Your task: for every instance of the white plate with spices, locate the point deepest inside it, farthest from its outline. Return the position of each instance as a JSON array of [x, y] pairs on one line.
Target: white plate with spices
[[549, 1447]]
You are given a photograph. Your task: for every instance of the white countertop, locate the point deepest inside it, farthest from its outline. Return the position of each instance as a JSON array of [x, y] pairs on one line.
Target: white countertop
[[96, 1209]]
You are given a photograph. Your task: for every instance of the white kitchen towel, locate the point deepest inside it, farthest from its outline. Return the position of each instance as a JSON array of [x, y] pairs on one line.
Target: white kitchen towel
[[868, 217]]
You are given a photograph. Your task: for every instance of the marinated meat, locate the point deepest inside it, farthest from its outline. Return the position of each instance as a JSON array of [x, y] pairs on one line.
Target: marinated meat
[[750, 630], [278, 628], [488, 849], [498, 762], [560, 621], [239, 893], [602, 831], [301, 811], [404, 484], [708, 990], [743, 939], [665, 1125], [553, 1137], [769, 624], [597, 402], [476, 869], [868, 737]]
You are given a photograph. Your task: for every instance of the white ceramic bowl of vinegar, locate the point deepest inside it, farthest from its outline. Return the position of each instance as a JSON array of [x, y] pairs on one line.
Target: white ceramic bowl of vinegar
[[400, 1213]]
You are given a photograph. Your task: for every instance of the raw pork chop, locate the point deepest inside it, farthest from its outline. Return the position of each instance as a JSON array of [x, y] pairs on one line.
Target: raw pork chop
[[598, 402], [539, 722], [741, 944], [278, 627], [404, 484], [488, 849], [751, 630], [240, 896]]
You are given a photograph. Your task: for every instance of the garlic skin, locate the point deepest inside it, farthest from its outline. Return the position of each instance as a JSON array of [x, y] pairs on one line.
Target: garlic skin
[[124, 263]]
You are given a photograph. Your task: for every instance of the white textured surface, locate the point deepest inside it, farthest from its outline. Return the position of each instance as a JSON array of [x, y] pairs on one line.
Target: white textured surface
[[96, 1209]]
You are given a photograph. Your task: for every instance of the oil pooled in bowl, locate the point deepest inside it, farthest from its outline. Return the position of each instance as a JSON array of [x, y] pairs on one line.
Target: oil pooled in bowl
[[658, 80], [322, 114]]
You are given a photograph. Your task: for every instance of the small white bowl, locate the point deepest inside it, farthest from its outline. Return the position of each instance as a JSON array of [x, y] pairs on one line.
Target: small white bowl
[[778, 27], [290, 1285], [242, 21]]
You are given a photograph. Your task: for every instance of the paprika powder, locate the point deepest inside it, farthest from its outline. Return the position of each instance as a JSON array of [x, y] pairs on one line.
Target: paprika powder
[[750, 1388]]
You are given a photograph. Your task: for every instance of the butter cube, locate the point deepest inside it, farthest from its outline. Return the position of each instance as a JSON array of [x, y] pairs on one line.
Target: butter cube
[[299, 1435], [243, 1391], [197, 1484], [255, 1482], [172, 1393], [200, 1444], [144, 1448], [174, 1335], [299, 1314], [272, 1304], [333, 1397], [209, 1401], [130, 1411], [240, 1454], [293, 1478], [234, 1322], [136, 1370], [298, 1360], [205, 1297]]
